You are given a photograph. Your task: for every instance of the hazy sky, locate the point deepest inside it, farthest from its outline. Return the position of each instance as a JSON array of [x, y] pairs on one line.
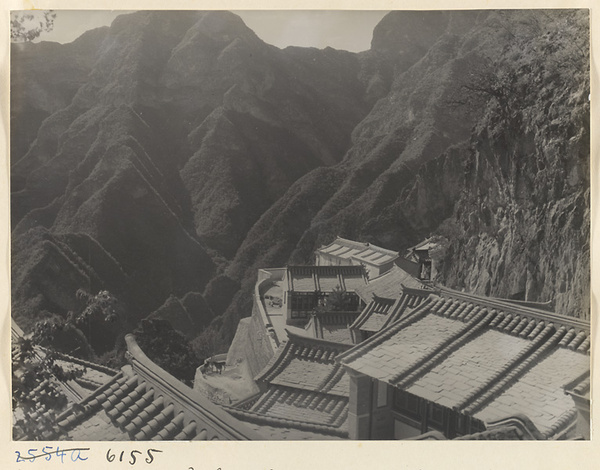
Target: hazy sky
[[349, 30]]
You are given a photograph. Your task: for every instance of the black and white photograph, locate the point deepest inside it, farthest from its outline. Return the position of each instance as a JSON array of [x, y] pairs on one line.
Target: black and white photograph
[[291, 225]]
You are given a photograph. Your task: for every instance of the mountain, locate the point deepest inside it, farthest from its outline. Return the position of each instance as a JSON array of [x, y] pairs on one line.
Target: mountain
[[182, 153], [482, 142], [176, 134]]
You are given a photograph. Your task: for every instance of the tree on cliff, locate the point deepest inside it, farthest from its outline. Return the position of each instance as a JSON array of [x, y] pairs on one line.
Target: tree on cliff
[[38, 373], [25, 26], [36, 395], [167, 348], [103, 320]]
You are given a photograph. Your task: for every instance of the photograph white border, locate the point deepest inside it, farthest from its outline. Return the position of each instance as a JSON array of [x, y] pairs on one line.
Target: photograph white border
[[581, 455]]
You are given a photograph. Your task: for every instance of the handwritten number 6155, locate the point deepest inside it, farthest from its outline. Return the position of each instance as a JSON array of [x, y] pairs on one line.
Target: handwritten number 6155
[[132, 456]]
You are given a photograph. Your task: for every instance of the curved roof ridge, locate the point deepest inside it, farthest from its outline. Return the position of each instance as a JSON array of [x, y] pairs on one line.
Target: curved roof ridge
[[380, 298], [519, 422], [356, 244], [276, 421], [92, 365], [300, 339], [384, 334], [279, 355], [192, 400], [510, 307]]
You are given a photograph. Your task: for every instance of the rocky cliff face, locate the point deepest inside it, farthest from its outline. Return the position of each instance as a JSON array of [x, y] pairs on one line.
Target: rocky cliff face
[[483, 140], [523, 221], [186, 153]]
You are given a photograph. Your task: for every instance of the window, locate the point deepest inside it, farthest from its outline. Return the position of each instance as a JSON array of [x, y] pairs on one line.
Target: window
[[296, 314], [407, 404], [301, 304], [435, 416]]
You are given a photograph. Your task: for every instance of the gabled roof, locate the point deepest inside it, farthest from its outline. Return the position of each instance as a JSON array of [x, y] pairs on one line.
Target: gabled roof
[[304, 386], [94, 375], [308, 364], [366, 252], [425, 245], [389, 284], [332, 326], [482, 357], [278, 428], [381, 311], [325, 278], [143, 402]]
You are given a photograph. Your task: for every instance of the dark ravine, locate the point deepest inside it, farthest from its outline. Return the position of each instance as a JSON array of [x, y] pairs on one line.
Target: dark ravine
[[179, 153]]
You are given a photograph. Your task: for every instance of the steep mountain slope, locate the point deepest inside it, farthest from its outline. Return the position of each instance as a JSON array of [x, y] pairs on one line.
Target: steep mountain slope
[[35, 96], [185, 130], [484, 140], [186, 153]]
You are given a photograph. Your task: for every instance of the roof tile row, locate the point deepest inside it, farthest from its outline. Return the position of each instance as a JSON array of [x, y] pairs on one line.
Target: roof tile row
[[482, 358]]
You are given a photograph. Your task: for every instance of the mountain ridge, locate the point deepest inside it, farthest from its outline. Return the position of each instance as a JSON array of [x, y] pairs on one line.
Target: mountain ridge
[[195, 153]]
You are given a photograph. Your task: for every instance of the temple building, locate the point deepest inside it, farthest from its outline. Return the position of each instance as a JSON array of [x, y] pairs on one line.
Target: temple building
[[143, 402], [329, 353], [302, 387], [343, 252], [458, 364], [421, 255], [382, 312], [310, 287], [391, 284]]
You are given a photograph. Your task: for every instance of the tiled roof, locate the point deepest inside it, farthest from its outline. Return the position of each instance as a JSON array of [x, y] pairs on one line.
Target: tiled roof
[[15, 331], [335, 333], [328, 282], [90, 377], [143, 402], [325, 278], [276, 428], [426, 244], [307, 364], [343, 248], [304, 384], [302, 405], [381, 311], [332, 326], [580, 386], [94, 375], [539, 392], [389, 284], [513, 428], [483, 357]]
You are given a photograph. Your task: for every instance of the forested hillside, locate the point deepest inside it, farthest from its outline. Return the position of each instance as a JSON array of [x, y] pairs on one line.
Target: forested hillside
[[171, 155]]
